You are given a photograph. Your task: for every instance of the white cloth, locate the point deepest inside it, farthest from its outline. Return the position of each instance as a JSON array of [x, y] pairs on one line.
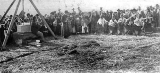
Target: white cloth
[[112, 23], [138, 22], [85, 22], [102, 21], [121, 20]]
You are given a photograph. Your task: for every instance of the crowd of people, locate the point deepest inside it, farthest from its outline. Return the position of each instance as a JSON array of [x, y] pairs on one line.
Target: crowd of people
[[120, 22]]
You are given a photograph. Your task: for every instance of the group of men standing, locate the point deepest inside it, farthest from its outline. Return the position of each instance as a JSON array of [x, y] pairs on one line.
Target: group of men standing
[[100, 22], [105, 22]]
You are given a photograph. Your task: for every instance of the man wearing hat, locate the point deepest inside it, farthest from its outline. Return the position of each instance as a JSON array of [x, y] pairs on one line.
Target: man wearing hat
[[80, 11], [74, 12], [101, 11], [59, 12]]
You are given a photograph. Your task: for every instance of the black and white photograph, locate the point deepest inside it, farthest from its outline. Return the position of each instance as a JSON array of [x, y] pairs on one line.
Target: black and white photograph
[[79, 36]]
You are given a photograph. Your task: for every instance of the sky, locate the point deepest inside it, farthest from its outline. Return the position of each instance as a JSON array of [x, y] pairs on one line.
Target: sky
[[47, 6]]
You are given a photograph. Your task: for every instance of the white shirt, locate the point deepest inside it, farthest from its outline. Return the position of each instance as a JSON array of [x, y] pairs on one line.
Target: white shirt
[[121, 20], [102, 21], [138, 22], [112, 23]]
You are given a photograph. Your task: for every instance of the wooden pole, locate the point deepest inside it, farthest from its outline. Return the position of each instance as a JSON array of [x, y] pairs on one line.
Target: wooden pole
[[23, 5], [7, 11], [43, 19], [11, 24]]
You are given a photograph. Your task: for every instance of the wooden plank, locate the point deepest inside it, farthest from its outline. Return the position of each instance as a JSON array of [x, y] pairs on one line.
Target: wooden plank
[[7, 10], [43, 19], [11, 24]]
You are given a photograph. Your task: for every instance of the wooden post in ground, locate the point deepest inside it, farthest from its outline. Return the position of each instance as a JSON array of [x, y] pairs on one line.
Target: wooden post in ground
[[10, 26], [7, 11], [43, 19]]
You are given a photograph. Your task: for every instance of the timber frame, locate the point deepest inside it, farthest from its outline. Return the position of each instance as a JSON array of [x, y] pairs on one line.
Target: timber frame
[[13, 20]]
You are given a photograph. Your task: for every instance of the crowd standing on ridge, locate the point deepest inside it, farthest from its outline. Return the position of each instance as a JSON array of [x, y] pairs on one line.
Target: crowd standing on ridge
[[121, 22]]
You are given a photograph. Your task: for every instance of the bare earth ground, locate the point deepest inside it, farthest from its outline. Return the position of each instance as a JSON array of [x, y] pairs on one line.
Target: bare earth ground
[[116, 54]]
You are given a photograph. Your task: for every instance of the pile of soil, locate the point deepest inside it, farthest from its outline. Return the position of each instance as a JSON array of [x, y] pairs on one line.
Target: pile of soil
[[86, 54]]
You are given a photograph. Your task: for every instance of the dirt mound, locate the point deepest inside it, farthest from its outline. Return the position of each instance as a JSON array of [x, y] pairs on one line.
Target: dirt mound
[[76, 48], [89, 44], [84, 54]]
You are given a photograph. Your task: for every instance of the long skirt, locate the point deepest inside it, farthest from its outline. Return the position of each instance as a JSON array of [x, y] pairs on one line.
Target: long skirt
[[85, 29], [106, 30], [93, 27], [111, 29], [138, 29], [78, 27], [127, 29], [100, 29], [58, 30], [120, 29], [66, 30]]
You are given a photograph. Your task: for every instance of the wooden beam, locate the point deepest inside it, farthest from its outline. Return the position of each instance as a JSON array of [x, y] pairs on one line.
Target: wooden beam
[[43, 19], [11, 24], [23, 5], [7, 10]]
